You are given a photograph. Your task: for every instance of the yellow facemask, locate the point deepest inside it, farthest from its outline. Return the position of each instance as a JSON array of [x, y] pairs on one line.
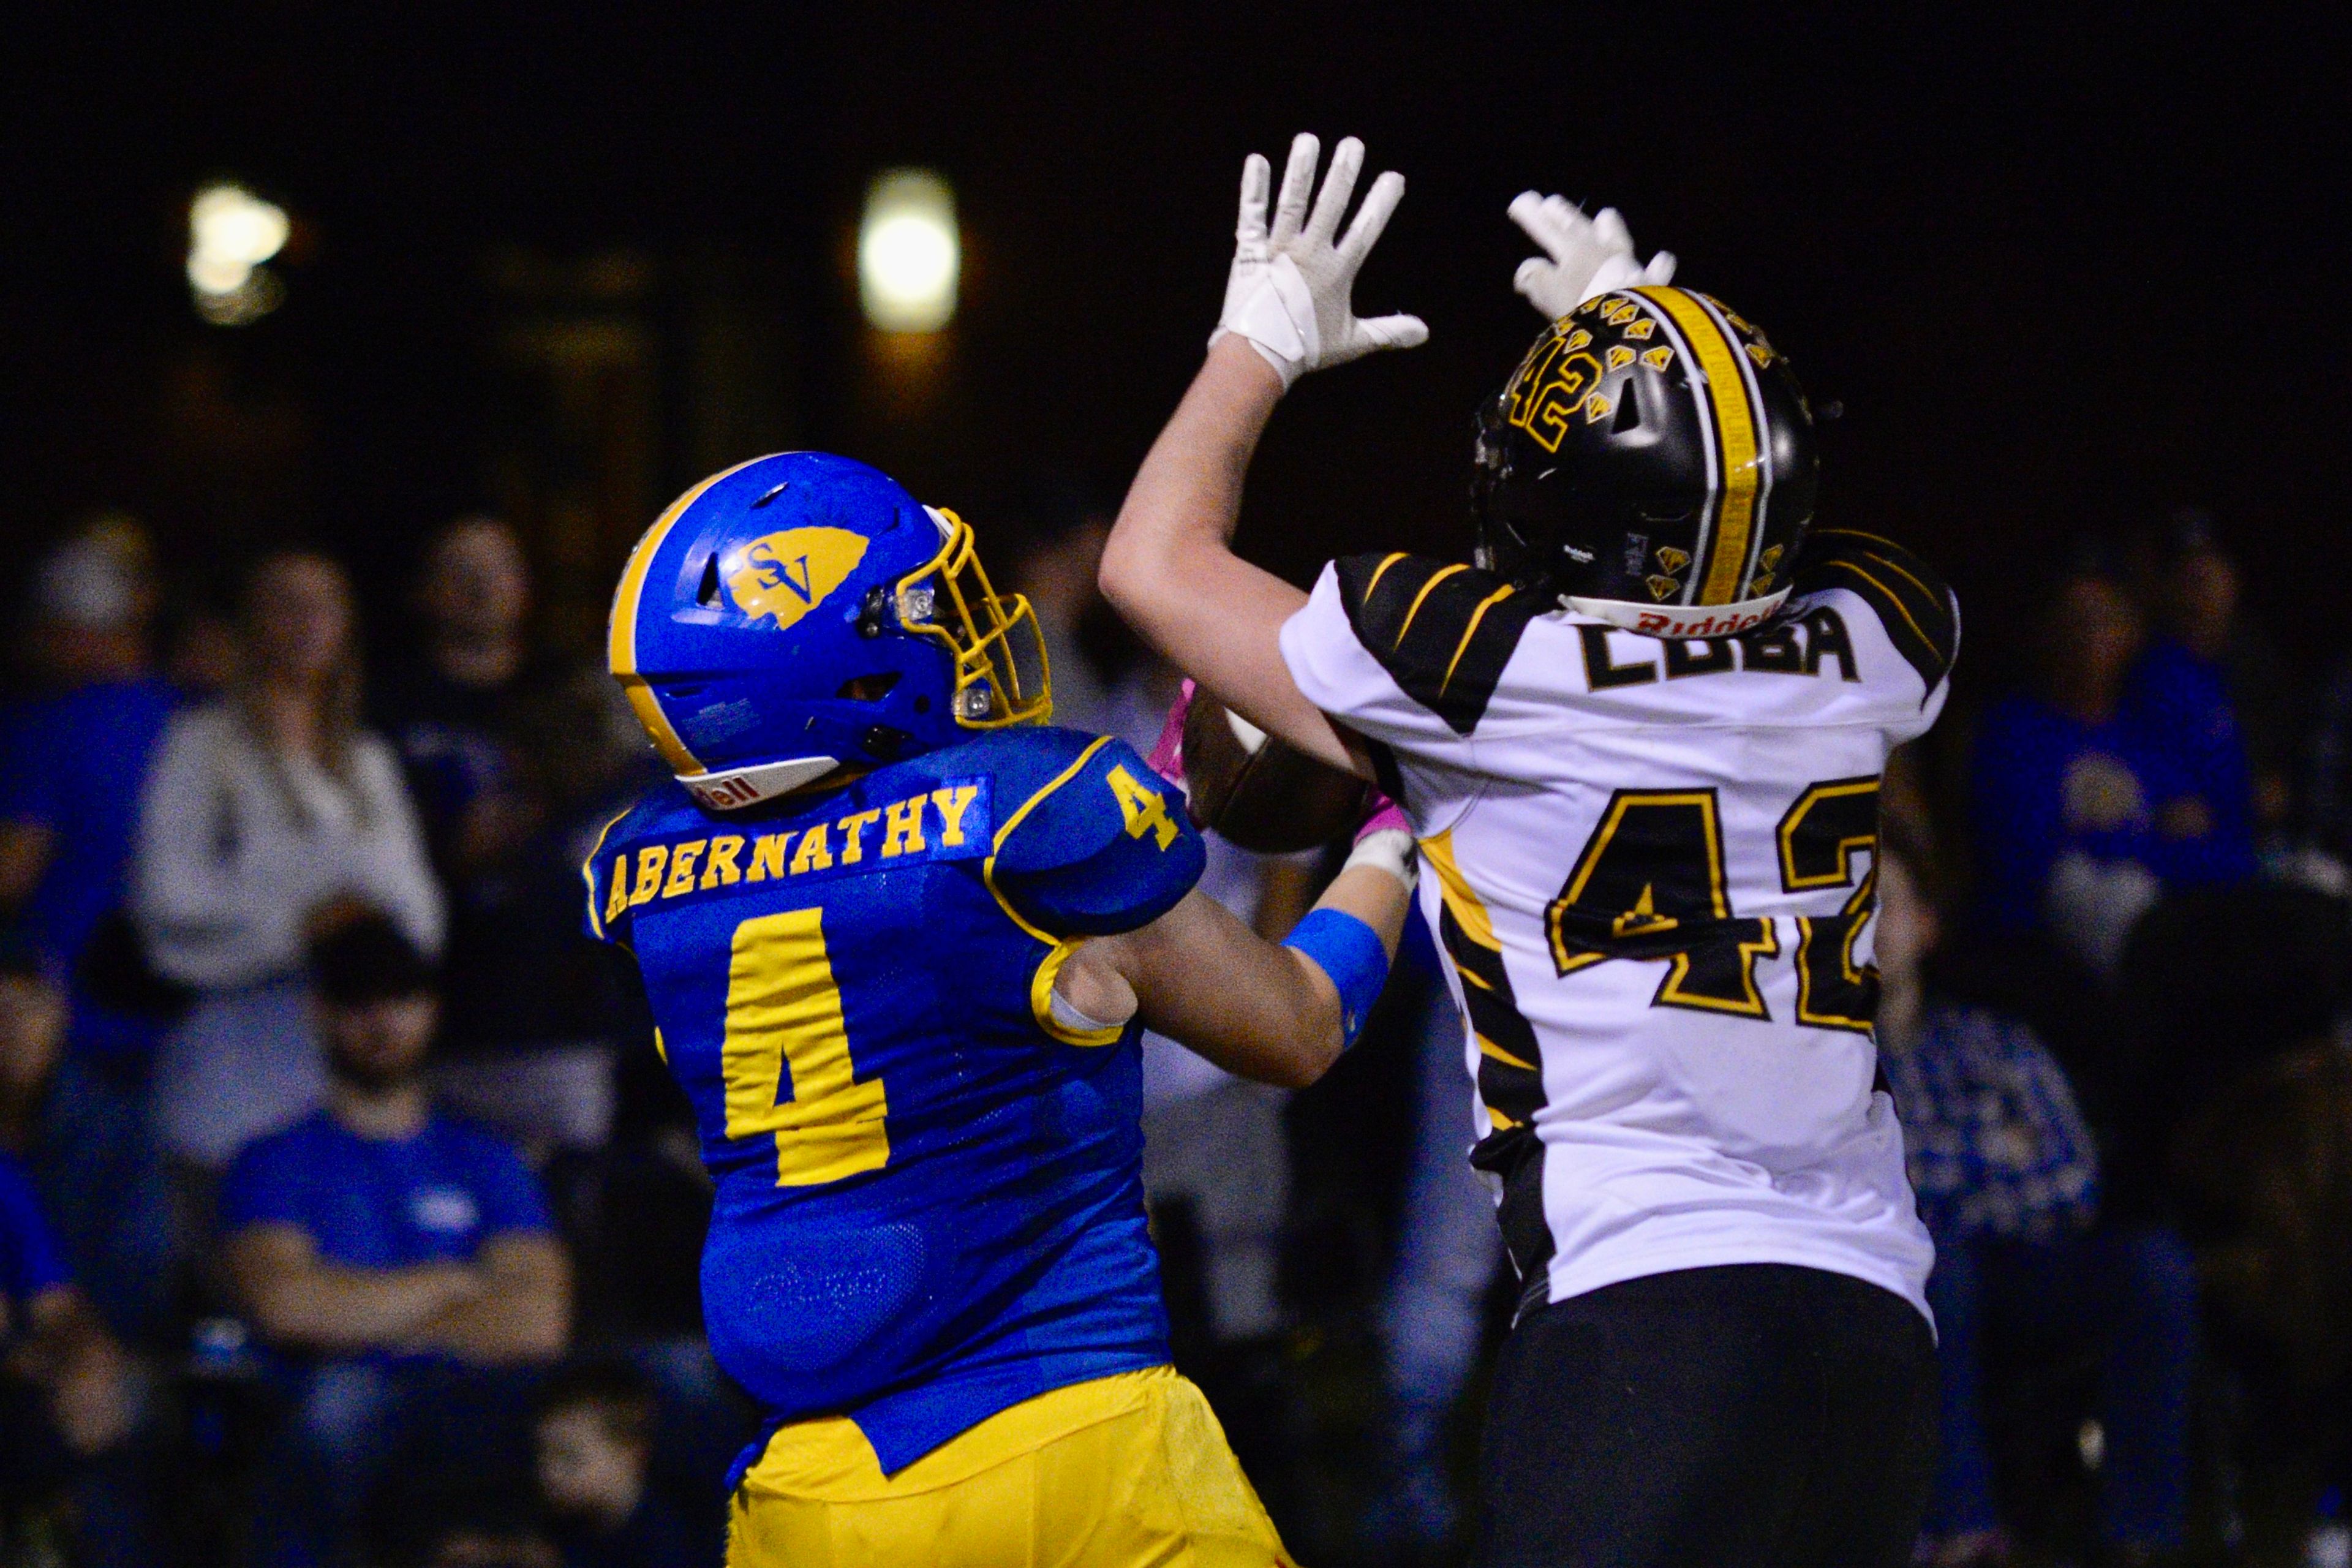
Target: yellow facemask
[[1001, 677]]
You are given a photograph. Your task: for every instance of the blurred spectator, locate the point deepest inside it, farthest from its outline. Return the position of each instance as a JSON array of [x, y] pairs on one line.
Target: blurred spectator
[[595, 1441], [2215, 671], [205, 652], [407, 1258], [2201, 671], [511, 760], [85, 1141], [2079, 818], [1432, 1313], [1087, 647], [268, 806], [2008, 1184], [73, 763], [67, 1403]]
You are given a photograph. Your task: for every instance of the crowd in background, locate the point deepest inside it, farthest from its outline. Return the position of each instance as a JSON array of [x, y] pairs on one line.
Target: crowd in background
[[346, 1214]]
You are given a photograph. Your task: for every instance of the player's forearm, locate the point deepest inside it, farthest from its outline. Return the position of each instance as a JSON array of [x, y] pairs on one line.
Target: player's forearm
[[1275, 1014], [1271, 1017], [332, 1308], [1171, 571], [1202, 978], [1322, 1028], [523, 1313], [503, 1329], [1373, 896], [1170, 556], [1188, 493]]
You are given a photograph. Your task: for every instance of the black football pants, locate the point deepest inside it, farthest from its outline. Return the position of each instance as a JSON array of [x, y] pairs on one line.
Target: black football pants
[[1758, 1416]]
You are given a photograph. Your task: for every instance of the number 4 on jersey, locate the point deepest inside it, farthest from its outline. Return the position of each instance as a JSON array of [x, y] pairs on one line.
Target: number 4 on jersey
[[1146, 810], [1651, 884], [787, 1056]]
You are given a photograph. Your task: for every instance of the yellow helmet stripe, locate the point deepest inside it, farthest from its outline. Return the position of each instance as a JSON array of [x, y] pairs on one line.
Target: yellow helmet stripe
[[621, 634], [1735, 422], [666, 740]]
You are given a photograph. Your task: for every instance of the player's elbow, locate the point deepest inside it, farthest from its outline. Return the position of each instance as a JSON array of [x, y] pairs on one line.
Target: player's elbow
[[1310, 1067], [1314, 1051], [1124, 577], [1143, 577]]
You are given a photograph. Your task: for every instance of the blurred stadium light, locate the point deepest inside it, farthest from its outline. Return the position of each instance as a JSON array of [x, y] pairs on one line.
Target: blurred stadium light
[[231, 232], [909, 253]]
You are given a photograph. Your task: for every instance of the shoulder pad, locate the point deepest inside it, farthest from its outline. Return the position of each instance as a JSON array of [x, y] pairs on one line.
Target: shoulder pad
[[1100, 845], [1910, 597], [606, 869], [1443, 631]]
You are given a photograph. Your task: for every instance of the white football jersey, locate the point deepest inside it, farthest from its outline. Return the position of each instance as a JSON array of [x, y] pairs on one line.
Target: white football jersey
[[1650, 864]]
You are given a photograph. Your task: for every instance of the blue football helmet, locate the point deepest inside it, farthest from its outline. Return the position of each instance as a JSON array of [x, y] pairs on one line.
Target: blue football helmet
[[802, 614]]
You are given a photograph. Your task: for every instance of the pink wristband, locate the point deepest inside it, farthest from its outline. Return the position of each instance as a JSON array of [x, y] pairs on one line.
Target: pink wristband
[[1167, 757], [1383, 815]]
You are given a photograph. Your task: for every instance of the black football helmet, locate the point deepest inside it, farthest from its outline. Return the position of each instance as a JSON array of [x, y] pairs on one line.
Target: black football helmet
[[1652, 462]]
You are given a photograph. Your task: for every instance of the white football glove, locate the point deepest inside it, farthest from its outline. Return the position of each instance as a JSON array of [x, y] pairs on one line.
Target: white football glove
[[1588, 255], [1289, 290]]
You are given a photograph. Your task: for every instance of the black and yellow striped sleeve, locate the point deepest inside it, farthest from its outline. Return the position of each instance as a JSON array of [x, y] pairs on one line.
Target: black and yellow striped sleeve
[[1910, 597], [1443, 631]]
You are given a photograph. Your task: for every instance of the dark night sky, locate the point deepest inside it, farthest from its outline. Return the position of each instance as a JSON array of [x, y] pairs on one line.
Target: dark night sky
[[2063, 267]]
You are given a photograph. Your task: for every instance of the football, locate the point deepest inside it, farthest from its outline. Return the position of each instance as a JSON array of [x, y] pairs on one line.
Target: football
[[1258, 792]]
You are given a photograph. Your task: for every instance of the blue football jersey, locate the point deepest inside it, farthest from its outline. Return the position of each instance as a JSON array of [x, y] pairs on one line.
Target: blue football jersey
[[929, 1201]]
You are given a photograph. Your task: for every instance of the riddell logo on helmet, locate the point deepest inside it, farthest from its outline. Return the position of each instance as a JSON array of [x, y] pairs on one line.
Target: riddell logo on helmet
[[1661, 624], [724, 793]]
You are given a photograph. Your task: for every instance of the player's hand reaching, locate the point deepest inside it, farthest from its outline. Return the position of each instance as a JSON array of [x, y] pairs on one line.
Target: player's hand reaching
[[1290, 291], [1582, 255]]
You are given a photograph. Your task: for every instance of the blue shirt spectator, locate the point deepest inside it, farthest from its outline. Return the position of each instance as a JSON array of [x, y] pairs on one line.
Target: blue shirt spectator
[[2179, 705], [30, 1264], [2085, 806], [74, 763], [81, 1132], [434, 1196], [2217, 687], [409, 1257], [73, 766], [2048, 783]]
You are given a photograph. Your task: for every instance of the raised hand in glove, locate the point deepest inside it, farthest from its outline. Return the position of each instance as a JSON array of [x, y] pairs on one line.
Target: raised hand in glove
[[1582, 255], [1289, 292]]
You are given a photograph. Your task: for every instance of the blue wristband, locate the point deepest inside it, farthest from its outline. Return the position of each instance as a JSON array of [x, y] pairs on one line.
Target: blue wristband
[[1350, 951]]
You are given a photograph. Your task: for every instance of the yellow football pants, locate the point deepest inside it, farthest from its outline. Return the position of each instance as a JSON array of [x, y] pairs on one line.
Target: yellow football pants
[[1122, 1472]]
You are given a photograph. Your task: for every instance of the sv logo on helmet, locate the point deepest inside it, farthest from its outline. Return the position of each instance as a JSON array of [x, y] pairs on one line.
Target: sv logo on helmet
[[788, 574]]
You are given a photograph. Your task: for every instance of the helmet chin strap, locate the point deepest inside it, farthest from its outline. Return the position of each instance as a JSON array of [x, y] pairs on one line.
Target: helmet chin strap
[[731, 789], [1680, 620]]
